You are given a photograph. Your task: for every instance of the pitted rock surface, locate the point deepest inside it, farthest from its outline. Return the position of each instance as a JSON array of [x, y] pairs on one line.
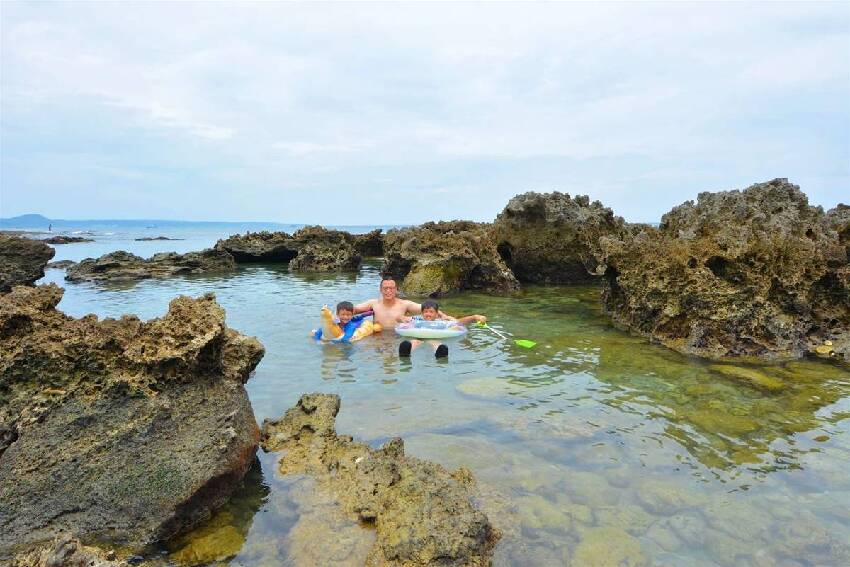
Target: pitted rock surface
[[118, 430], [371, 244], [124, 266], [309, 249], [446, 257], [757, 272], [553, 238], [22, 261], [423, 514]]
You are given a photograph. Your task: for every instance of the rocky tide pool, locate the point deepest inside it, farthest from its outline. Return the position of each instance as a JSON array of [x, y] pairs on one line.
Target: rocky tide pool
[[592, 448]]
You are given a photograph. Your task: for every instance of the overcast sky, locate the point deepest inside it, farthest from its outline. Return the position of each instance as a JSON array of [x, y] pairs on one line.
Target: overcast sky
[[402, 113]]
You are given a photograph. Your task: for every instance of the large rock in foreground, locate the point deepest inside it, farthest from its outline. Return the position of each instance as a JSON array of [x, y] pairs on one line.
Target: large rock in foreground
[[445, 257], [553, 238], [423, 515], [124, 266], [309, 249], [22, 261], [118, 430], [756, 272]]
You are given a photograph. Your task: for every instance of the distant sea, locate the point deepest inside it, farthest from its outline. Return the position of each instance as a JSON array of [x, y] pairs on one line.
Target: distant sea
[[111, 235]]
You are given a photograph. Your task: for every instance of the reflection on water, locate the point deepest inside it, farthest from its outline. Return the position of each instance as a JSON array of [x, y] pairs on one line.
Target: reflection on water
[[594, 447]]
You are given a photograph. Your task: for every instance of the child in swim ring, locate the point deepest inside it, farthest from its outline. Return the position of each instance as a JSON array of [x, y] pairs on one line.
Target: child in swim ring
[[347, 328], [431, 312]]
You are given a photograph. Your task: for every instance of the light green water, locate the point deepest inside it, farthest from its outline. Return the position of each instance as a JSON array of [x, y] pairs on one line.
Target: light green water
[[593, 448]]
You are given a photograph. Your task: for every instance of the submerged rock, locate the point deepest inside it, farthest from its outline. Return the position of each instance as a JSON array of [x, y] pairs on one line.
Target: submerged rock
[[445, 257], [423, 514], [66, 551], [22, 261], [61, 239], [756, 272], [119, 430], [123, 266], [553, 238]]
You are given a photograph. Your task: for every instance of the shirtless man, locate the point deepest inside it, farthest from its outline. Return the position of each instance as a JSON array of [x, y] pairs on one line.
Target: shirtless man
[[389, 308]]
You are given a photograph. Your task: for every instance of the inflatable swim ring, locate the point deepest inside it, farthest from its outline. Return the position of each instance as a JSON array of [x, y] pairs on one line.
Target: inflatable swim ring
[[422, 329], [332, 331]]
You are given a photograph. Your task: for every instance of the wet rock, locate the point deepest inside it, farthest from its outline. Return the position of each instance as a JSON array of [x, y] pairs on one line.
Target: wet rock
[[323, 250], [439, 258], [153, 238], [123, 266], [61, 239], [22, 261], [604, 547], [423, 514], [123, 430], [553, 238], [66, 551], [371, 244], [751, 376], [661, 498], [756, 273], [61, 264]]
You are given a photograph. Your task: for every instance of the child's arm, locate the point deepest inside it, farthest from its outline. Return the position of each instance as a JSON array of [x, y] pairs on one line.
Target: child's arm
[[472, 319]]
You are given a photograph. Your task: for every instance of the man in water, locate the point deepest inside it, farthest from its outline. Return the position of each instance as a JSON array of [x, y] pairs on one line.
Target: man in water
[[389, 309]]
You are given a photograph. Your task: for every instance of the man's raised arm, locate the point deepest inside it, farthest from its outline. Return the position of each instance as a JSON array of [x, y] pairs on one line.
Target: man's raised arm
[[363, 307]]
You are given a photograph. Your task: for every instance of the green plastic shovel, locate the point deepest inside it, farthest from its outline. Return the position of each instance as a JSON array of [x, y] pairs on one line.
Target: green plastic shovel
[[524, 343]]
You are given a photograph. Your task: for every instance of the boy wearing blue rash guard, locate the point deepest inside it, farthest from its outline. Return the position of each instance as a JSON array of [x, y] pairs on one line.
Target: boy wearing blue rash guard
[[347, 321]]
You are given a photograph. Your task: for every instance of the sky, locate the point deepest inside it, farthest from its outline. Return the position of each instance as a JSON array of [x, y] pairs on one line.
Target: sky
[[380, 113]]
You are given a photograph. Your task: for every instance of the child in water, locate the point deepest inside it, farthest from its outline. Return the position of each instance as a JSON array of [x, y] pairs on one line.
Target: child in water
[[350, 327], [431, 312]]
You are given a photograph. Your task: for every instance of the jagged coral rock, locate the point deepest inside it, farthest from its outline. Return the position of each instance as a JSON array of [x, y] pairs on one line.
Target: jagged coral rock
[[118, 266], [370, 244], [118, 430], [22, 261], [445, 257], [66, 551], [310, 249], [756, 272], [422, 513], [553, 238]]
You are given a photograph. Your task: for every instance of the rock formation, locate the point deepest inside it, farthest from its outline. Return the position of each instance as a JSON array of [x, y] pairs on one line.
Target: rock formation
[[445, 257], [118, 266], [323, 250], [320, 249], [756, 272], [370, 244], [118, 430], [422, 514], [60, 239], [553, 238], [154, 238], [22, 261], [259, 247]]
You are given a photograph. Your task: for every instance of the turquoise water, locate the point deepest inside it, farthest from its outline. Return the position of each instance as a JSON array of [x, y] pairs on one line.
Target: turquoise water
[[594, 447]]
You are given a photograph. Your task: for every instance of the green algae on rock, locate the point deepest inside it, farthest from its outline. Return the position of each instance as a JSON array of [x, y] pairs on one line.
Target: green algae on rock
[[603, 547], [146, 428], [422, 513], [446, 257]]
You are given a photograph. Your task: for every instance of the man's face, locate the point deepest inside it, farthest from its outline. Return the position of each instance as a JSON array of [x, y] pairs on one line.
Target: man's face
[[388, 289], [344, 316], [429, 314]]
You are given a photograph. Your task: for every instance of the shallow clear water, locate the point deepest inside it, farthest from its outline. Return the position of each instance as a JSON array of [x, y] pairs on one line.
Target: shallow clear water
[[594, 447]]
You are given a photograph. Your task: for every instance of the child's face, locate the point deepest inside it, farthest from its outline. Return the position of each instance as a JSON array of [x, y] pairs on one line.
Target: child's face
[[344, 316], [429, 314]]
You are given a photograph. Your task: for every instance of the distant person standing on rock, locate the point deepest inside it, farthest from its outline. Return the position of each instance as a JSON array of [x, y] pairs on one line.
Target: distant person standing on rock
[[389, 309]]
